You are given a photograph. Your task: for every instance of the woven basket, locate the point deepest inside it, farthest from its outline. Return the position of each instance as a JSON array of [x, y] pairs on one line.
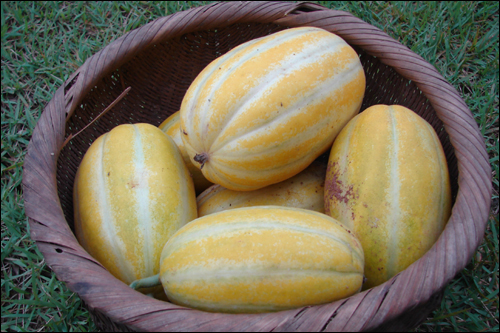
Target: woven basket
[[158, 62]]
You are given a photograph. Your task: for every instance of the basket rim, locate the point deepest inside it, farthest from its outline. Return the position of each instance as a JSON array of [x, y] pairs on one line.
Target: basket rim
[[364, 311]]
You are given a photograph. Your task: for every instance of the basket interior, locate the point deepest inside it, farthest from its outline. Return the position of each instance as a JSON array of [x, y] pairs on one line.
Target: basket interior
[[160, 75]]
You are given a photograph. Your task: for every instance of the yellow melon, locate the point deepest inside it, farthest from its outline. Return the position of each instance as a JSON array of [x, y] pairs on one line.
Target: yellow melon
[[132, 192], [388, 181], [305, 190], [265, 110], [171, 126], [261, 259]]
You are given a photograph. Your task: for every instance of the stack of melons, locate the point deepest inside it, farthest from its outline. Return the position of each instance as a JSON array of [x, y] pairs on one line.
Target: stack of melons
[[300, 197]]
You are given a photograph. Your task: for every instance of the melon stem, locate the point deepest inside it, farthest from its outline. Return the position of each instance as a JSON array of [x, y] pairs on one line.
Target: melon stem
[[201, 158], [151, 281]]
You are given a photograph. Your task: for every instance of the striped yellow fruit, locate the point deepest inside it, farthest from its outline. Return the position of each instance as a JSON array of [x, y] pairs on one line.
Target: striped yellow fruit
[[132, 192], [265, 110], [261, 259], [388, 180], [171, 126], [305, 190]]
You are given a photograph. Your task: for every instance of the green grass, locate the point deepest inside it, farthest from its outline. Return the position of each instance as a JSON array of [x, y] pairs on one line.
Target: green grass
[[44, 42]]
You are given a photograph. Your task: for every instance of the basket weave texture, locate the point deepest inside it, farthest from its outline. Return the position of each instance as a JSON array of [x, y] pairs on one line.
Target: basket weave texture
[[158, 62]]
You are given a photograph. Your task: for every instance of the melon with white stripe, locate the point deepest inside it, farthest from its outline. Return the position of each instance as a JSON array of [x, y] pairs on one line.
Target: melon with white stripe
[[171, 126], [387, 180], [260, 259], [265, 110], [305, 190], [132, 192]]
